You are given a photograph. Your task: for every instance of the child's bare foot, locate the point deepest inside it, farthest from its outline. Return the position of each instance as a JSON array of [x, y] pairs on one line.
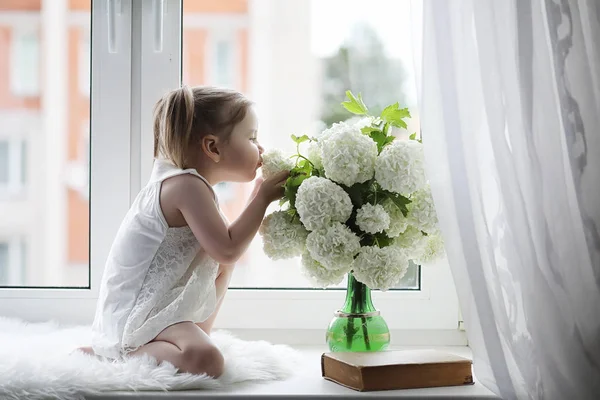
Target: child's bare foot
[[86, 349]]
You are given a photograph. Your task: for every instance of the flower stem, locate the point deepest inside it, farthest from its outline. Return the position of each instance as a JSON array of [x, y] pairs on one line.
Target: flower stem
[[358, 297], [301, 156], [365, 333], [360, 300]]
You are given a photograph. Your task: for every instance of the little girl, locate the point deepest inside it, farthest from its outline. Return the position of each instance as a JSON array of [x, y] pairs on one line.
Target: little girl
[[171, 261]]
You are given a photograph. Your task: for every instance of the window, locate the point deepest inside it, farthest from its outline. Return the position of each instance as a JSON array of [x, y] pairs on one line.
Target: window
[[83, 53], [41, 143], [4, 163], [298, 84], [285, 56], [13, 159], [223, 65], [12, 261], [78, 171], [24, 79], [23, 162], [3, 262], [296, 60]]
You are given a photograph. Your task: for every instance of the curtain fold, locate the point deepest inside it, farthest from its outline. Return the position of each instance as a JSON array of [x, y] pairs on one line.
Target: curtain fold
[[509, 94]]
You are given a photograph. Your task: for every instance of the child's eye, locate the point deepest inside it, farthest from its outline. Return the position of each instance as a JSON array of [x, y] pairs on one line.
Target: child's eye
[[254, 139]]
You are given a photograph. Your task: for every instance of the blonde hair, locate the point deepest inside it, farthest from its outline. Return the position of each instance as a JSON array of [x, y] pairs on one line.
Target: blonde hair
[[184, 116]]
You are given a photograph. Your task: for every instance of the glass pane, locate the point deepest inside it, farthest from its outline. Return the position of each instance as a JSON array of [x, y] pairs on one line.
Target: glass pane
[[295, 60], [24, 59], [4, 163], [44, 214], [23, 162], [3, 263]]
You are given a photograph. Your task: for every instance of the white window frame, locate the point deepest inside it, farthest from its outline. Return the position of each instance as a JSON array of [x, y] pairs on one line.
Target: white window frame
[[125, 85]]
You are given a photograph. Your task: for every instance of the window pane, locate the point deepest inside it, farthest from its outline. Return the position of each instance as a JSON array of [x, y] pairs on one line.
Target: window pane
[[43, 51], [4, 162], [23, 162], [224, 63], [25, 53], [295, 60], [3, 263]]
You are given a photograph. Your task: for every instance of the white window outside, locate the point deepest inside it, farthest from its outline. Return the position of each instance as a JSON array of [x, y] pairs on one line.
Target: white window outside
[[24, 62], [121, 147]]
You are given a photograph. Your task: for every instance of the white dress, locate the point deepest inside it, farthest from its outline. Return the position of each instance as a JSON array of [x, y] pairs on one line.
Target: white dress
[[155, 276]]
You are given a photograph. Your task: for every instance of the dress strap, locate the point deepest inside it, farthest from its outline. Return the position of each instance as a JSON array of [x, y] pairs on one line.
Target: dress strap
[[164, 169]]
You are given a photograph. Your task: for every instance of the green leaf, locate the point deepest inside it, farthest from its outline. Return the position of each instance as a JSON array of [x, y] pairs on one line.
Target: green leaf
[[394, 115], [368, 129], [358, 193], [282, 202], [400, 201], [414, 137], [297, 176], [297, 180], [379, 138], [382, 239], [300, 139], [355, 105]]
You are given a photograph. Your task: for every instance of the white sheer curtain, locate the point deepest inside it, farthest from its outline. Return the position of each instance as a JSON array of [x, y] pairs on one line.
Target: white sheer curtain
[[510, 109]]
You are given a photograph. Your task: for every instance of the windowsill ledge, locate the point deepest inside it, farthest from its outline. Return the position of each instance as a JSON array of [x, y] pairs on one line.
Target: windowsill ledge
[[309, 382]]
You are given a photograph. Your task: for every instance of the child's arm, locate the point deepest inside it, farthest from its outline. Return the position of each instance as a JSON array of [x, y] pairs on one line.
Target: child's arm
[[224, 244]]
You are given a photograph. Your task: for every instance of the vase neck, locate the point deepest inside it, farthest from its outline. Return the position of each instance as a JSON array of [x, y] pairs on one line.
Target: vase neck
[[358, 297]]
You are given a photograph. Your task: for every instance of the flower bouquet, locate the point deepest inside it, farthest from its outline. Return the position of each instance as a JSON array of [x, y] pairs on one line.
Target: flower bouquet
[[357, 204]]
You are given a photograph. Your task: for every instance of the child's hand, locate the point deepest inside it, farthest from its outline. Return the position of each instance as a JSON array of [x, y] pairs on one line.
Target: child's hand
[[272, 189]]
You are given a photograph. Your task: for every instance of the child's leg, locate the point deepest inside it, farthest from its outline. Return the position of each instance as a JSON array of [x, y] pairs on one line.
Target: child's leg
[[222, 284], [165, 348], [187, 347]]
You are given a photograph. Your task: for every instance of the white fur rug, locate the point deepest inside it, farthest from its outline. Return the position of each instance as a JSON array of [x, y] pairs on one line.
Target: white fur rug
[[36, 362]]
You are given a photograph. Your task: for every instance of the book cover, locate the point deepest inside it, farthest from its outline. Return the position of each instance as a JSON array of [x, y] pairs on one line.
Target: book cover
[[389, 370]]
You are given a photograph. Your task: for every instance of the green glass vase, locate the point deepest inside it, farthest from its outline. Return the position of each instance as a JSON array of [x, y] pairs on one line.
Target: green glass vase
[[358, 326]]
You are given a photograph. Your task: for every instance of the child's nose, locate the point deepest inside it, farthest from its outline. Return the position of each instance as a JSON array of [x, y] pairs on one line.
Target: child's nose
[[260, 149]]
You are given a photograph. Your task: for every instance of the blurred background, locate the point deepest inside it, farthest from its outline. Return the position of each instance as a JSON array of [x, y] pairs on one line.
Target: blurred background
[[295, 59]]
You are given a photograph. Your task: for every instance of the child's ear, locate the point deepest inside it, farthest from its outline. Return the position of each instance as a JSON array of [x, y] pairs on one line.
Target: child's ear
[[210, 147]]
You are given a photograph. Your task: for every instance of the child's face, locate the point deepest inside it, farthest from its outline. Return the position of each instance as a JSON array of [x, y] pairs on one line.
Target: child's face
[[242, 154]]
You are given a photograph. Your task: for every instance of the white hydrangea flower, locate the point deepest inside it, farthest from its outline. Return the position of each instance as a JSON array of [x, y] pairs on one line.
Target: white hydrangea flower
[[334, 128], [348, 155], [421, 211], [313, 153], [398, 222], [363, 122], [400, 167], [320, 276], [282, 238], [380, 268], [275, 161], [372, 218], [433, 249], [334, 247], [412, 242], [320, 202]]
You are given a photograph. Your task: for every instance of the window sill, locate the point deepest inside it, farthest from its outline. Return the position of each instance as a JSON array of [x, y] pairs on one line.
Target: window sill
[[309, 382]]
